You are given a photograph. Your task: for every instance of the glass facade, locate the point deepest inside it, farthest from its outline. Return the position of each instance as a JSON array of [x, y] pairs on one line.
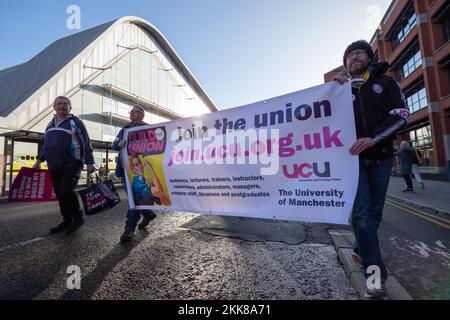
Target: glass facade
[[140, 69], [421, 140], [143, 72]]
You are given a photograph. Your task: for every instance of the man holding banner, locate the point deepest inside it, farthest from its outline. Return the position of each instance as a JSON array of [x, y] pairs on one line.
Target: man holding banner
[[283, 158], [380, 110], [137, 114]]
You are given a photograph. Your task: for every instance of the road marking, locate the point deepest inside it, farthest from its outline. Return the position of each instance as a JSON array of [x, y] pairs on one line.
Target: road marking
[[429, 215], [421, 214], [20, 244], [337, 233]]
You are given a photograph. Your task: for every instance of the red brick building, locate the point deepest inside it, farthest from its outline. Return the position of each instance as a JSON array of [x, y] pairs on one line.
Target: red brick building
[[414, 37]]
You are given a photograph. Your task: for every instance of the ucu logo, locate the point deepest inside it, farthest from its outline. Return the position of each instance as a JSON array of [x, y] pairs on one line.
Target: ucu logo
[[306, 170]]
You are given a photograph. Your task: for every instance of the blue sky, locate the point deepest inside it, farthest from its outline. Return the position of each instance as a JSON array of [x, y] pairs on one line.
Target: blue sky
[[241, 51]]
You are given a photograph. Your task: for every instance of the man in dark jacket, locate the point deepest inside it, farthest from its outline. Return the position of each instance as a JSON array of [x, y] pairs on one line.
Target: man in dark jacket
[[66, 147], [407, 158], [380, 110], [137, 115]]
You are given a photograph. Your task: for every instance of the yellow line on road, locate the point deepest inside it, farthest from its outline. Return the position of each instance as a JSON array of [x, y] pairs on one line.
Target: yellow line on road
[[421, 214], [432, 216]]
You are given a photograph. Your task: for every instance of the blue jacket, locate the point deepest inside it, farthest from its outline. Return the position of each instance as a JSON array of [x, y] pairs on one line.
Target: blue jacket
[[67, 142]]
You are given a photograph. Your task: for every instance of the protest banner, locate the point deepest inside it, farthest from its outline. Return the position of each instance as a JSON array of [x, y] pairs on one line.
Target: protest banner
[[32, 186], [283, 158]]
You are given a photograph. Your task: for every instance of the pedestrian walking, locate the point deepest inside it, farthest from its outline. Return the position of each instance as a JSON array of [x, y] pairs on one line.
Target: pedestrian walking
[[137, 115], [66, 147], [407, 157], [380, 111]]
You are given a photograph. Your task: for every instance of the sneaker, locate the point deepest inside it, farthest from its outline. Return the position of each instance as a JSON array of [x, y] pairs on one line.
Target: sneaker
[[126, 236], [374, 293], [60, 227], [146, 220], [76, 224]]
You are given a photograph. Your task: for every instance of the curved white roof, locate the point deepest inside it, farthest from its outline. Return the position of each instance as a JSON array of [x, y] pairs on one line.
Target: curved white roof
[[22, 85]]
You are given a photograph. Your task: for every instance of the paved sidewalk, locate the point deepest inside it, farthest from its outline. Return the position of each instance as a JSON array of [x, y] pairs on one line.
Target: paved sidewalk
[[435, 196], [342, 240]]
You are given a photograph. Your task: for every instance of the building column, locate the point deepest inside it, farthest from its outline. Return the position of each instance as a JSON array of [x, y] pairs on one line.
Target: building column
[[425, 32]]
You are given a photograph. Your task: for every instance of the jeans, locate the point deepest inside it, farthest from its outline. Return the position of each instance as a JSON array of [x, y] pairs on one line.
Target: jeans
[[133, 215], [65, 179], [368, 209]]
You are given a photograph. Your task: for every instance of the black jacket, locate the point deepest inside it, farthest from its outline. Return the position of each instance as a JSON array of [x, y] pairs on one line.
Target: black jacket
[[380, 111]]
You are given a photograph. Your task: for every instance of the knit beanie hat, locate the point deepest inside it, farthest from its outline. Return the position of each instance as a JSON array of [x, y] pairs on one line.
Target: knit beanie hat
[[359, 45]]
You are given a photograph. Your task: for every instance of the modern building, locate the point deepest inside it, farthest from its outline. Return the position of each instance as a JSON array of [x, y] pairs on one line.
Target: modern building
[[414, 38], [104, 71]]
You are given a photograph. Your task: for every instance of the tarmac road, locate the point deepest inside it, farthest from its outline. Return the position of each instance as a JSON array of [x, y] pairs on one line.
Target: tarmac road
[[181, 256], [416, 248]]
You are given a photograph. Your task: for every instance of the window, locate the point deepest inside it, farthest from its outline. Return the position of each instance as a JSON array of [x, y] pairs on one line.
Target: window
[[444, 18], [416, 98], [376, 57], [421, 139], [409, 62], [412, 64], [405, 25], [446, 26]]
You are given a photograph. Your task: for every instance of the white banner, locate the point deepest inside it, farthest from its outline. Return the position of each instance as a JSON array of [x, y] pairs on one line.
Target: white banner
[[285, 158]]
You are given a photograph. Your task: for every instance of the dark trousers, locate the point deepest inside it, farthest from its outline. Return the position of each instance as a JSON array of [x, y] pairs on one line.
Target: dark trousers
[[134, 215], [408, 181], [65, 179]]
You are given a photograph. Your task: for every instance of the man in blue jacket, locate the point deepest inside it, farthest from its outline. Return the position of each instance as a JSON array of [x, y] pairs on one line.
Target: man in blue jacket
[[380, 111], [137, 115], [66, 147]]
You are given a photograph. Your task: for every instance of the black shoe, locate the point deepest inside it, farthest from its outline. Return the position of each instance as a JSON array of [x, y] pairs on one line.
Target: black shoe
[[60, 227], [146, 220], [76, 224], [407, 190], [127, 236]]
